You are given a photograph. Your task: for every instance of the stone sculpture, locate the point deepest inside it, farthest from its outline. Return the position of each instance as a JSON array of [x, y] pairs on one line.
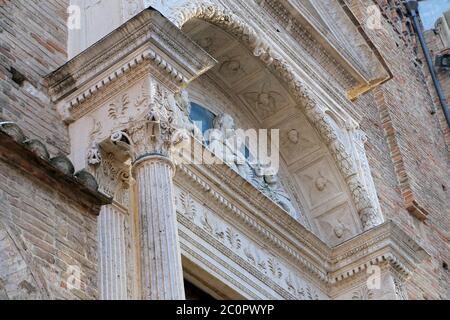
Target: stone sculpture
[[226, 144], [183, 111], [267, 181]]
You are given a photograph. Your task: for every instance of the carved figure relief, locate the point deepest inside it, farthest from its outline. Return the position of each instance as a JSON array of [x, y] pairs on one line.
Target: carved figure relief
[[264, 101], [337, 226], [236, 67], [232, 67], [183, 110], [224, 142], [268, 183], [297, 139], [213, 41], [318, 184], [94, 156]]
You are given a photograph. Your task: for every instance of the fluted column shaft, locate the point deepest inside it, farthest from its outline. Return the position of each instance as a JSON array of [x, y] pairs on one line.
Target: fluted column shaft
[[161, 269], [113, 254]]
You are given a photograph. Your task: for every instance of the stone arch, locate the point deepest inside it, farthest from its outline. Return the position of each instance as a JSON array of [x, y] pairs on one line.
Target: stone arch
[[309, 103], [18, 281]]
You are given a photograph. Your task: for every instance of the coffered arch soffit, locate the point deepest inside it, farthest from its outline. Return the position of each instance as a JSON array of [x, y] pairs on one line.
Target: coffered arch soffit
[[305, 99]]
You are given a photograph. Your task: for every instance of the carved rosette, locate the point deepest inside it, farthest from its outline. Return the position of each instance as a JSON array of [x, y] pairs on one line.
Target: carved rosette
[[303, 95]]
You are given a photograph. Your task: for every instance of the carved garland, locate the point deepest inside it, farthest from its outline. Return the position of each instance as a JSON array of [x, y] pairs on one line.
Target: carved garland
[[309, 103]]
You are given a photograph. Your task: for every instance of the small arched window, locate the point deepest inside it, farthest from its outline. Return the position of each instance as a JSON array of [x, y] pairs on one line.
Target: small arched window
[[202, 117]]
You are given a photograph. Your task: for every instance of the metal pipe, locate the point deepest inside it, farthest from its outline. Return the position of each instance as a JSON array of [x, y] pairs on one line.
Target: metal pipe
[[412, 7]]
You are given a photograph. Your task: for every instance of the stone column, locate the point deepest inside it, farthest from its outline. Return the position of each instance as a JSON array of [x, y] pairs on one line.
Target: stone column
[[152, 142], [114, 235], [161, 270], [113, 254]]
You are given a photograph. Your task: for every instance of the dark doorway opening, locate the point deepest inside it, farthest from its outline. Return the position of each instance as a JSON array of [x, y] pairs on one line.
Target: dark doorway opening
[[195, 293]]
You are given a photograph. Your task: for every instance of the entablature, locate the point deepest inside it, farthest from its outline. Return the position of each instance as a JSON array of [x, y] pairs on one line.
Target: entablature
[[250, 226], [147, 38]]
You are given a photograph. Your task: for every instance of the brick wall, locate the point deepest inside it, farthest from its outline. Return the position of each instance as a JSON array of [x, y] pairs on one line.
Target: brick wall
[[408, 154], [436, 46], [33, 39], [43, 235]]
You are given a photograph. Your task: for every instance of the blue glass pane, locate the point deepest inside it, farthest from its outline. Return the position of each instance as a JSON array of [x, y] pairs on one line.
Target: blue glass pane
[[202, 117]]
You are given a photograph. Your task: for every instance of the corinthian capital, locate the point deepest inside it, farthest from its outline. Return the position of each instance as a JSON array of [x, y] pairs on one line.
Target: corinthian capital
[[156, 133]]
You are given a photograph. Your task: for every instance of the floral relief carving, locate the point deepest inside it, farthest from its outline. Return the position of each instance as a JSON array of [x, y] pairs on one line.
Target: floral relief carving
[[156, 131], [143, 99], [188, 207], [301, 292], [118, 110], [237, 243], [113, 178], [206, 224], [233, 238], [275, 268], [363, 293]]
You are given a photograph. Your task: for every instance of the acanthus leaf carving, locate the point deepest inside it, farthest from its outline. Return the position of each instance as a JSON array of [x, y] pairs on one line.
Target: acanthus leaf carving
[[156, 133], [113, 178], [189, 209], [233, 238], [363, 293]]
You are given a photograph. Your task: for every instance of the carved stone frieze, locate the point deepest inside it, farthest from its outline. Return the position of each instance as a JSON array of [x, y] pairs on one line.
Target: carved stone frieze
[[239, 244]]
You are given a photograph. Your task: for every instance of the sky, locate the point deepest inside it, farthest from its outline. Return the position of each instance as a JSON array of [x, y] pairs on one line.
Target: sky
[[431, 10]]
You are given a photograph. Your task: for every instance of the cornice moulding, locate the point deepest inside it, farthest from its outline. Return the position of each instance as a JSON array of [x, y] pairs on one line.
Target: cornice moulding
[[148, 37], [385, 244], [364, 82]]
